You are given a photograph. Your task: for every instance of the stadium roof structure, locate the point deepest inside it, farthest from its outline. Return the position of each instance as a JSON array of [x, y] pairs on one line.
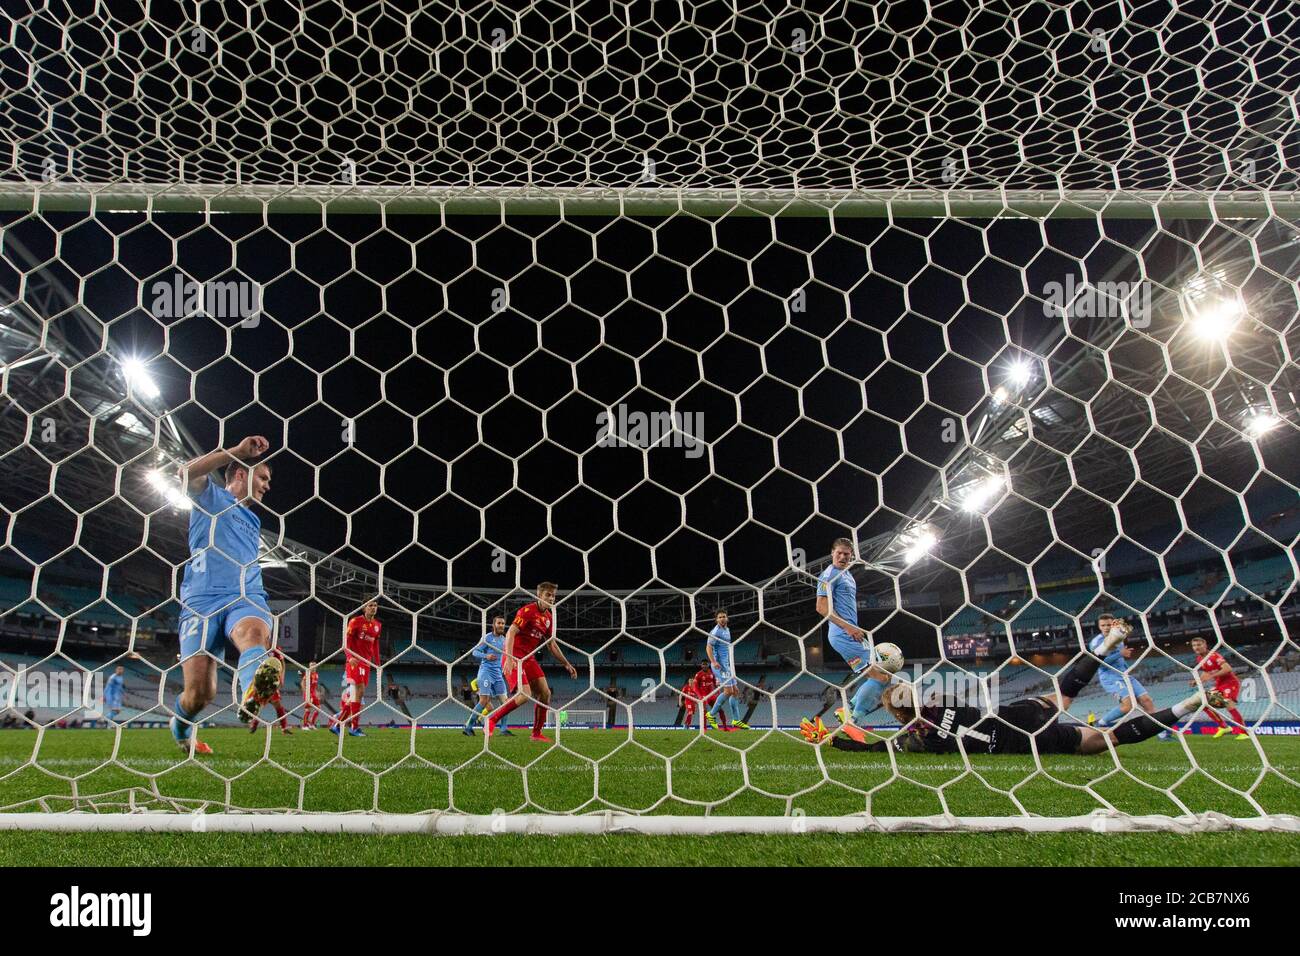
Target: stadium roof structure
[[437, 108]]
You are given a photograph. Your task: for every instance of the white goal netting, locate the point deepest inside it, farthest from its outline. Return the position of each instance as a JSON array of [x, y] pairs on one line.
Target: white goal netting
[[655, 302]]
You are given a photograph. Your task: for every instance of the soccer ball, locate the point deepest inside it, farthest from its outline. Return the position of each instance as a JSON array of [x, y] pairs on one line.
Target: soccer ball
[[889, 657]]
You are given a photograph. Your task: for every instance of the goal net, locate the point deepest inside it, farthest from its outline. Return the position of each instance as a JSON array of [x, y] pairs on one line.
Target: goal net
[[656, 304]]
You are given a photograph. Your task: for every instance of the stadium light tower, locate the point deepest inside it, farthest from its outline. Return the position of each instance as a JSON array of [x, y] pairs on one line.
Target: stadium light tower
[[1019, 373], [138, 379]]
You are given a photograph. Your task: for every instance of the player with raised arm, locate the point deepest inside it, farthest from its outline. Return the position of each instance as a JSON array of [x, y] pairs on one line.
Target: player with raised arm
[[718, 649], [1113, 677], [1023, 726], [491, 681], [310, 697], [1210, 665], [222, 596], [533, 628], [361, 653], [837, 602]]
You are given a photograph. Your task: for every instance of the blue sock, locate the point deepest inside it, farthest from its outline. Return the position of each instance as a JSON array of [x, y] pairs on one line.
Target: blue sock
[[735, 708], [717, 704], [180, 730], [866, 698], [248, 663], [1112, 715]]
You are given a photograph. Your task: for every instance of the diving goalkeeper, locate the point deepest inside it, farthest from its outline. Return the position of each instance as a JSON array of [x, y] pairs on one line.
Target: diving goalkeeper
[[1019, 727]]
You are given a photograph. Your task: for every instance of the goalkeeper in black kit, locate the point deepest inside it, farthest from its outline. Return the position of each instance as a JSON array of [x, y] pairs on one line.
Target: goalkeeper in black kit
[[1022, 726]]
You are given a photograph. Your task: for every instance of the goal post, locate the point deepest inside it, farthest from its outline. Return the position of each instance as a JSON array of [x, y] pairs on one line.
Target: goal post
[[664, 312]]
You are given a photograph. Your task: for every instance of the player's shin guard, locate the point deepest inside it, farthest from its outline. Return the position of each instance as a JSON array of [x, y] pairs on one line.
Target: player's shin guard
[[1078, 675]]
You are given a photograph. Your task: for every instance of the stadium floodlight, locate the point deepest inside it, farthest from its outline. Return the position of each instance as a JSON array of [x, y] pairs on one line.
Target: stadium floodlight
[[1020, 373], [1214, 322], [977, 496], [920, 541], [138, 379], [169, 490], [1260, 423]]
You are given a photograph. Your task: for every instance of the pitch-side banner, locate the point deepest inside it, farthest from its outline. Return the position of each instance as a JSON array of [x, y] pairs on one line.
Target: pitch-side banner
[[286, 616]]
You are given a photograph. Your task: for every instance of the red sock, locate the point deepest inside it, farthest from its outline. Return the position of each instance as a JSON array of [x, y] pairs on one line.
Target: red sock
[[283, 715], [1235, 714], [356, 715], [500, 713], [1214, 715], [539, 718]]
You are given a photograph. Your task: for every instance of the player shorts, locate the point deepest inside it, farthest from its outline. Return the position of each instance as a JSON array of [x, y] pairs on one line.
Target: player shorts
[[852, 650], [1115, 685], [1230, 692], [724, 675], [491, 683], [208, 618], [356, 672], [1025, 717], [532, 672]]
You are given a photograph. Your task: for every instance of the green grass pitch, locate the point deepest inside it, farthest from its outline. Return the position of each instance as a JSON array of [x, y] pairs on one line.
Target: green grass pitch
[[401, 771]]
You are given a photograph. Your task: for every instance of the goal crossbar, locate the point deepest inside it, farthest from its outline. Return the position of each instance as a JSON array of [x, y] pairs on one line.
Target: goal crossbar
[[642, 201]]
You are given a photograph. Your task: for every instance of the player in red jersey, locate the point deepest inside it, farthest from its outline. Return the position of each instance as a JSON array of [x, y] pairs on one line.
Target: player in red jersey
[[1210, 664], [690, 700], [281, 715], [361, 653], [310, 697], [706, 687], [533, 628]]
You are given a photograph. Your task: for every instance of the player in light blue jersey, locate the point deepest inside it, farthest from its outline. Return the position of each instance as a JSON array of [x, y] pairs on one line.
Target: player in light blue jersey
[[1112, 675], [837, 602], [718, 649], [114, 691], [491, 681], [222, 597]]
